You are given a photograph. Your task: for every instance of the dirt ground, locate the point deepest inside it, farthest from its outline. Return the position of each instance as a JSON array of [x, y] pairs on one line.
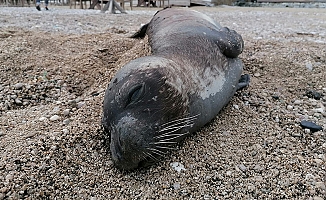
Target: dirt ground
[[55, 66]]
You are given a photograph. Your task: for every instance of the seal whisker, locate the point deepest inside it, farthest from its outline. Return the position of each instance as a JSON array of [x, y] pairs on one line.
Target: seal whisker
[[159, 142], [169, 133], [179, 135], [151, 156], [177, 120], [156, 151], [163, 147], [174, 126]]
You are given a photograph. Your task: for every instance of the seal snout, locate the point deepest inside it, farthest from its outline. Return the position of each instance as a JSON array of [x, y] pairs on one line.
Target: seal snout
[[127, 143]]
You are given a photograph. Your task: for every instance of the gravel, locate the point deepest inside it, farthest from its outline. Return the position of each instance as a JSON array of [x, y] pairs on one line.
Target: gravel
[[55, 66]]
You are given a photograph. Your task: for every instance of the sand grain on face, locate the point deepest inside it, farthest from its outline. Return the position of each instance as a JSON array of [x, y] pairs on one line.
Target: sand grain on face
[[54, 69]]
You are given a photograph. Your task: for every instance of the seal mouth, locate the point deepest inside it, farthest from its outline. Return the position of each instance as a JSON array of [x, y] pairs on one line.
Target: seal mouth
[[130, 149]]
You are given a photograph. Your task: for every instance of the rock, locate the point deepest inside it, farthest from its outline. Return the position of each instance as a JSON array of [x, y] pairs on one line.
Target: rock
[[320, 185], [80, 104], [242, 167], [42, 118], [177, 166], [65, 131], [310, 125], [176, 186], [54, 117], [66, 112], [9, 177], [18, 86], [289, 107], [313, 94], [66, 122], [309, 66], [297, 102], [18, 102]]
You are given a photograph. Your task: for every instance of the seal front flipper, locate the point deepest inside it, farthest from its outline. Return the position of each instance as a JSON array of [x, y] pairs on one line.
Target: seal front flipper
[[243, 81], [141, 32]]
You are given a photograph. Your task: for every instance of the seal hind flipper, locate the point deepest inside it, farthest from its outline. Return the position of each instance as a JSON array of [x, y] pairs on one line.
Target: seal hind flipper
[[243, 81], [230, 43], [141, 32]]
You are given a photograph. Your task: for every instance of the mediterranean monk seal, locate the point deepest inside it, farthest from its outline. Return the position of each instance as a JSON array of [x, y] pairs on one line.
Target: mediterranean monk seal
[[154, 102]]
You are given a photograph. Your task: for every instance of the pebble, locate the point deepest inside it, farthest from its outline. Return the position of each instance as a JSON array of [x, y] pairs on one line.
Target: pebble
[[42, 118], [320, 185], [65, 131], [66, 112], [54, 117], [18, 86], [176, 186], [318, 198], [66, 122], [9, 177], [177, 166], [242, 167], [310, 125], [80, 104], [318, 161], [297, 102], [289, 107]]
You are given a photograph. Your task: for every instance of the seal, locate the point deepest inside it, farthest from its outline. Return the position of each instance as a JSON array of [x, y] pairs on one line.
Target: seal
[[154, 102]]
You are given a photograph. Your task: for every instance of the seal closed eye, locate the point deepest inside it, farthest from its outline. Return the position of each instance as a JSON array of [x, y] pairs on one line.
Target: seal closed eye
[[155, 101], [135, 94]]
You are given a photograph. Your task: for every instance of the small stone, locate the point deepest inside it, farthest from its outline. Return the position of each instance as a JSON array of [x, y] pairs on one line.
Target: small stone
[[42, 119], [66, 112], [309, 66], [18, 102], [257, 168], [318, 161], [320, 185], [310, 125], [295, 134], [9, 177], [72, 103], [313, 94], [297, 102], [242, 167], [319, 110], [318, 198], [257, 74], [31, 134], [66, 122], [289, 107], [176, 186], [177, 166], [307, 131], [19, 86], [80, 104], [54, 118], [56, 110], [65, 131]]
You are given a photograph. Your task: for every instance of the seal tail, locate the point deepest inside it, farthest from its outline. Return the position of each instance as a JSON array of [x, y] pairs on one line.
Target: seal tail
[[141, 32]]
